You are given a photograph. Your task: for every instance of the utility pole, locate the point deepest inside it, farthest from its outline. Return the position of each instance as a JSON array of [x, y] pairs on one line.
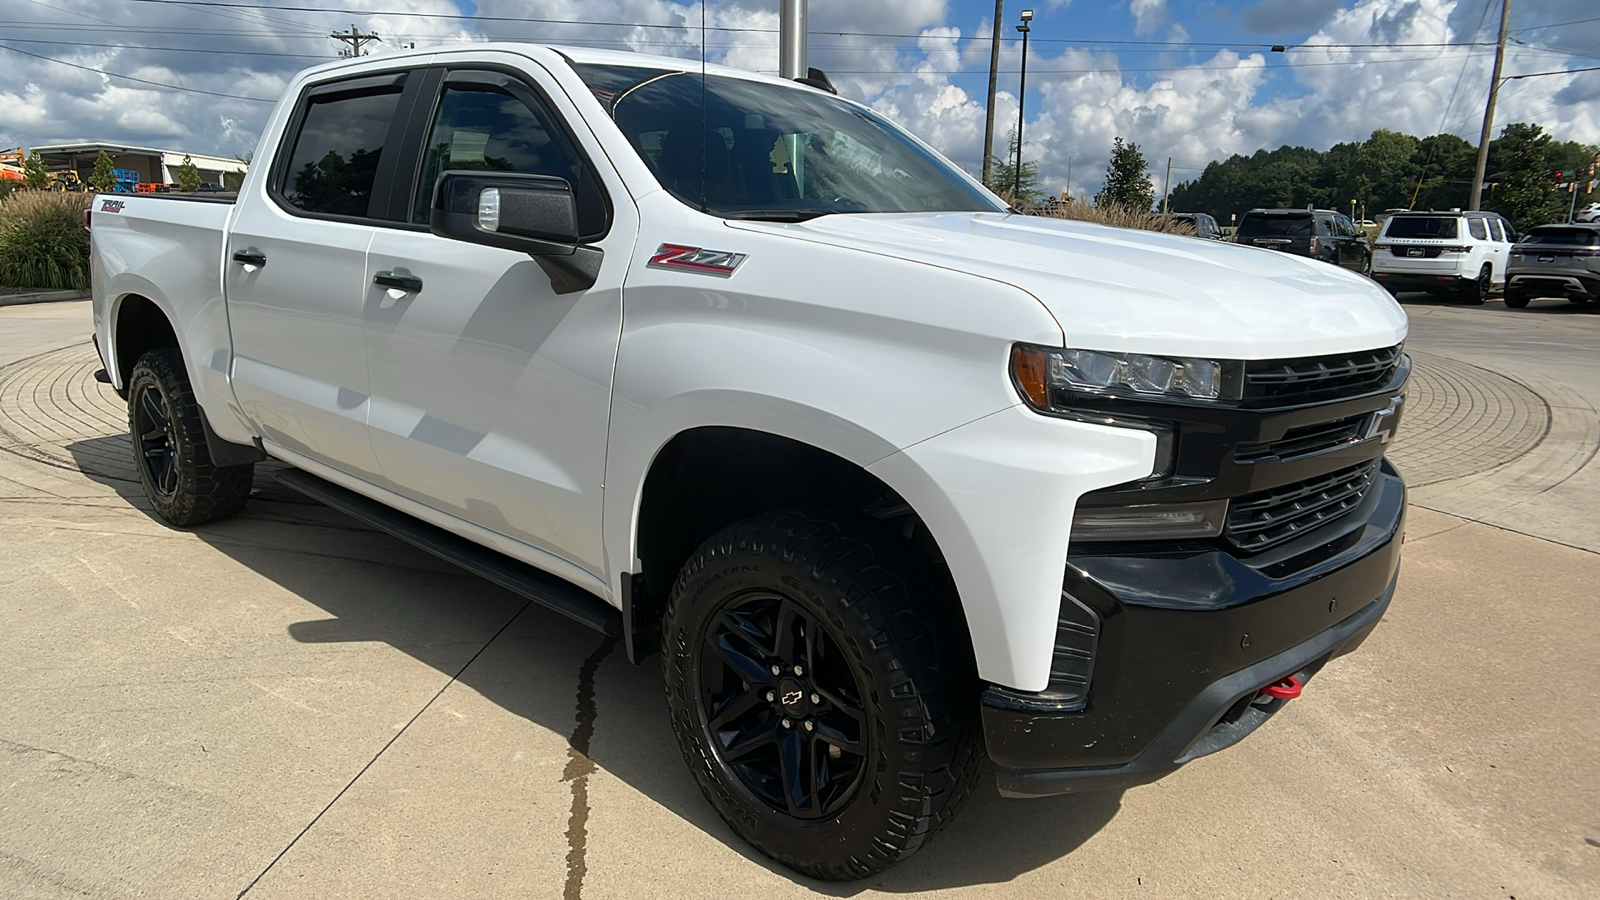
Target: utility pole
[[355, 39], [1488, 111], [1166, 188], [994, 75]]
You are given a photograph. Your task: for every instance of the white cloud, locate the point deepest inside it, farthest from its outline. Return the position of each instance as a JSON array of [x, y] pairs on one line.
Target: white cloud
[[1147, 15]]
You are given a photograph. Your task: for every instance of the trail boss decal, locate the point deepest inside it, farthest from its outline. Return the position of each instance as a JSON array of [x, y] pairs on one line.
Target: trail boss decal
[[111, 206], [696, 259]]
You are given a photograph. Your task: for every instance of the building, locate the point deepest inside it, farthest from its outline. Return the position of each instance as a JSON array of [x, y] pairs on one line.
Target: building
[[152, 165]]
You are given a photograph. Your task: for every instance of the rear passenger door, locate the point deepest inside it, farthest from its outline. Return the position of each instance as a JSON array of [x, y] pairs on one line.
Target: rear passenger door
[[296, 262], [490, 391], [1500, 247]]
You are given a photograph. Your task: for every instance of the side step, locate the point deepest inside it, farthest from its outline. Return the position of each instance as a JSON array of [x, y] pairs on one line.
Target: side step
[[518, 577]]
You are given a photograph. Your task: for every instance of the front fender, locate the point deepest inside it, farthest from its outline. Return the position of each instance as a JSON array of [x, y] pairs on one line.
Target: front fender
[[998, 495]]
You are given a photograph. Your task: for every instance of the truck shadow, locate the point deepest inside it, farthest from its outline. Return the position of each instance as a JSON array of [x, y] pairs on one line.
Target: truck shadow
[[527, 660]]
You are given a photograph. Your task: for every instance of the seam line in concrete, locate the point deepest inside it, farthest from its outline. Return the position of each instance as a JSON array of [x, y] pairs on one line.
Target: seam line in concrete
[[1473, 521], [382, 750]]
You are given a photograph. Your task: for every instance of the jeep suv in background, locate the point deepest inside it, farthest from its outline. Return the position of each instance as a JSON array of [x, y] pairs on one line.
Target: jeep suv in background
[[1459, 254], [1318, 233], [1555, 261]]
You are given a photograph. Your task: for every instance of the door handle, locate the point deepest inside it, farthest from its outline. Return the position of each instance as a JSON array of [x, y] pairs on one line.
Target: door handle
[[409, 283], [250, 257]]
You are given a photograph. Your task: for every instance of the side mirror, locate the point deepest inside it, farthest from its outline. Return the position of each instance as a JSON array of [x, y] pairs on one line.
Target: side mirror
[[532, 214]]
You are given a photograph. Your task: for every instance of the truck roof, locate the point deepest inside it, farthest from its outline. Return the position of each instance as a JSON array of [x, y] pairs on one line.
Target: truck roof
[[581, 55]]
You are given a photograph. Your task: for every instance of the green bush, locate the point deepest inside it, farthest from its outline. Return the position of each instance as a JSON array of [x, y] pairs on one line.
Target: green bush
[[43, 243]]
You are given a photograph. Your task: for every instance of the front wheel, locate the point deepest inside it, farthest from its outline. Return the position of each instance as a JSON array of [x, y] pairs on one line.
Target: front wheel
[[170, 450], [1516, 299], [821, 698]]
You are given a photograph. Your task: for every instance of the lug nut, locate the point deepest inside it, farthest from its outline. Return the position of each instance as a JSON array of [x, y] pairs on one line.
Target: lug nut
[[815, 699], [809, 726], [777, 670], [787, 723], [797, 671], [771, 696]]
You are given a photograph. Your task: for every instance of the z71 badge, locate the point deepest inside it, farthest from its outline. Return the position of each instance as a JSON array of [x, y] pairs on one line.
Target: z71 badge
[[696, 259]]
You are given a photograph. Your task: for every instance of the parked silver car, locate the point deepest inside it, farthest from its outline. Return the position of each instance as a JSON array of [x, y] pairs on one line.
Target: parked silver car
[[1555, 261]]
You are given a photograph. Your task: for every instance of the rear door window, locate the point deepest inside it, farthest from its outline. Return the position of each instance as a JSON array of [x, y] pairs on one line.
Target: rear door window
[[1478, 229], [1495, 232], [1275, 226], [1422, 227], [333, 165]]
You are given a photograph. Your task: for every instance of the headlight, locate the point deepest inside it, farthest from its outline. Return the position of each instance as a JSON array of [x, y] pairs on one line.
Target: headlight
[[1040, 373]]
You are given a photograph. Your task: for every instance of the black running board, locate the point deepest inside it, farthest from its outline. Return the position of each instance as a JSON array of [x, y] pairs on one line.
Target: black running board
[[518, 577]]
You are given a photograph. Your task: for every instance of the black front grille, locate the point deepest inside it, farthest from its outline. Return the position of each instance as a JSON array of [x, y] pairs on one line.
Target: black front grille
[[1268, 518], [1305, 440], [1319, 377]]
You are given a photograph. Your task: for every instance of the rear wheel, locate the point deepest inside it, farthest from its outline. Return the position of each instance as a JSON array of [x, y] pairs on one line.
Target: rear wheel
[[821, 699], [1516, 299], [1476, 292], [170, 450]]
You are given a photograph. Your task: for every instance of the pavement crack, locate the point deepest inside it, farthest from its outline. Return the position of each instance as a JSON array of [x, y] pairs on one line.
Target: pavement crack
[[578, 769], [381, 750]]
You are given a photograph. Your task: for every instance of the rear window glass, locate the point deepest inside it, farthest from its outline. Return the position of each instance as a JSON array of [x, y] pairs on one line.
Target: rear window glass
[[1478, 229], [1421, 227], [1275, 226], [1549, 234], [1494, 230], [335, 158]]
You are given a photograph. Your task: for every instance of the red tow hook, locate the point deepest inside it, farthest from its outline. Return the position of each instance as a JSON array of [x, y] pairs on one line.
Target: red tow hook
[[1287, 689]]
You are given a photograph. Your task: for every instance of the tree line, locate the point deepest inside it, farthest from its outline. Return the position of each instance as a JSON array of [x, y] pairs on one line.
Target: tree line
[[1391, 170]]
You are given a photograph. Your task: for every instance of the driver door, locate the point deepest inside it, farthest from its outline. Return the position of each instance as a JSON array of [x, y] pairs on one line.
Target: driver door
[[490, 391]]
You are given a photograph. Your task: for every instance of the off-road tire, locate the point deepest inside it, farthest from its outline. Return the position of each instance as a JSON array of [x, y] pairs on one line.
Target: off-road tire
[[920, 690], [169, 446]]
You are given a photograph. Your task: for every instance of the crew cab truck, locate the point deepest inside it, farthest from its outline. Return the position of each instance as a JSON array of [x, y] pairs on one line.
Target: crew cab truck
[[897, 482]]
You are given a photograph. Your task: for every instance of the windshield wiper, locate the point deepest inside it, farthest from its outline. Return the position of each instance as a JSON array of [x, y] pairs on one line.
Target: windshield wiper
[[775, 215]]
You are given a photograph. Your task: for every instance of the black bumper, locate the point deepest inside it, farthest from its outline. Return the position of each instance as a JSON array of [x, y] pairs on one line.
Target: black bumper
[[1188, 639], [1416, 281]]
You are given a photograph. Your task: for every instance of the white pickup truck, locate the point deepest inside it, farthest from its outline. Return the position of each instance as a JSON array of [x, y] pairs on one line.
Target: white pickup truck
[[900, 483]]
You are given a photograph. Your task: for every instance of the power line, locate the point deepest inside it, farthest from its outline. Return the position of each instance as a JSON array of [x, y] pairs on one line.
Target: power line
[[729, 28], [161, 84], [223, 52]]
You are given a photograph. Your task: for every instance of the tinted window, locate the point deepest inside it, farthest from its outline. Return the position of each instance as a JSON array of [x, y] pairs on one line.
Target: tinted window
[[746, 149], [481, 125], [1421, 227], [1275, 226], [335, 156], [1555, 234], [1346, 227], [1494, 230], [1478, 229]]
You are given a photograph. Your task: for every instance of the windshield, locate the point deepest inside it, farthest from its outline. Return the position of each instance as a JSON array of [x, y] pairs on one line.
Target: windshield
[[764, 151], [1275, 226], [1571, 237], [1421, 227]]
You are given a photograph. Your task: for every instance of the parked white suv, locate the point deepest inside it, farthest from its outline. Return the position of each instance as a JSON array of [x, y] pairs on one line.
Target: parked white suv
[[1462, 254]]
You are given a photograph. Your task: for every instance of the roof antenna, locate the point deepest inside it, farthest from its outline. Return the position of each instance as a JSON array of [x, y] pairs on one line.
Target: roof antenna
[[703, 129]]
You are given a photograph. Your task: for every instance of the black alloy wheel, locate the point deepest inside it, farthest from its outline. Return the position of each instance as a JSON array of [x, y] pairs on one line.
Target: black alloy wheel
[[155, 440], [782, 705], [822, 690], [1476, 293]]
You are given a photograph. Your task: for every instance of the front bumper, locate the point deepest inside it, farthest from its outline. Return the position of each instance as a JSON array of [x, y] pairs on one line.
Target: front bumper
[[1188, 639]]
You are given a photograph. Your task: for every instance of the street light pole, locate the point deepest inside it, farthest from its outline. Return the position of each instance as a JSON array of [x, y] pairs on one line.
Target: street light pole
[[1022, 97]]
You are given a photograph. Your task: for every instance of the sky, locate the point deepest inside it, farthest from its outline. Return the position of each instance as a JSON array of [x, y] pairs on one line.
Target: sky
[[1193, 81]]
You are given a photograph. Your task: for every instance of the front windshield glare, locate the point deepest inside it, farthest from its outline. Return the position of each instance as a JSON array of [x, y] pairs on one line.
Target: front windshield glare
[[763, 151]]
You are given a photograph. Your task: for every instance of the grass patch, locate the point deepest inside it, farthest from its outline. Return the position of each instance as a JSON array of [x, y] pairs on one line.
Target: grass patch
[[43, 243]]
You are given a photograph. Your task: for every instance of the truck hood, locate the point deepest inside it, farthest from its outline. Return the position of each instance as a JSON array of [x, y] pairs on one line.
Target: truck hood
[[1129, 290]]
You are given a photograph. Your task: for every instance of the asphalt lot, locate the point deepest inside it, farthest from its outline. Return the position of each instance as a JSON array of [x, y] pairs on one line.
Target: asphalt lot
[[289, 705]]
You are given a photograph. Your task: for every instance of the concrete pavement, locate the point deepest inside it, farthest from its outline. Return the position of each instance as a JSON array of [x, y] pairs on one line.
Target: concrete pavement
[[289, 705]]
